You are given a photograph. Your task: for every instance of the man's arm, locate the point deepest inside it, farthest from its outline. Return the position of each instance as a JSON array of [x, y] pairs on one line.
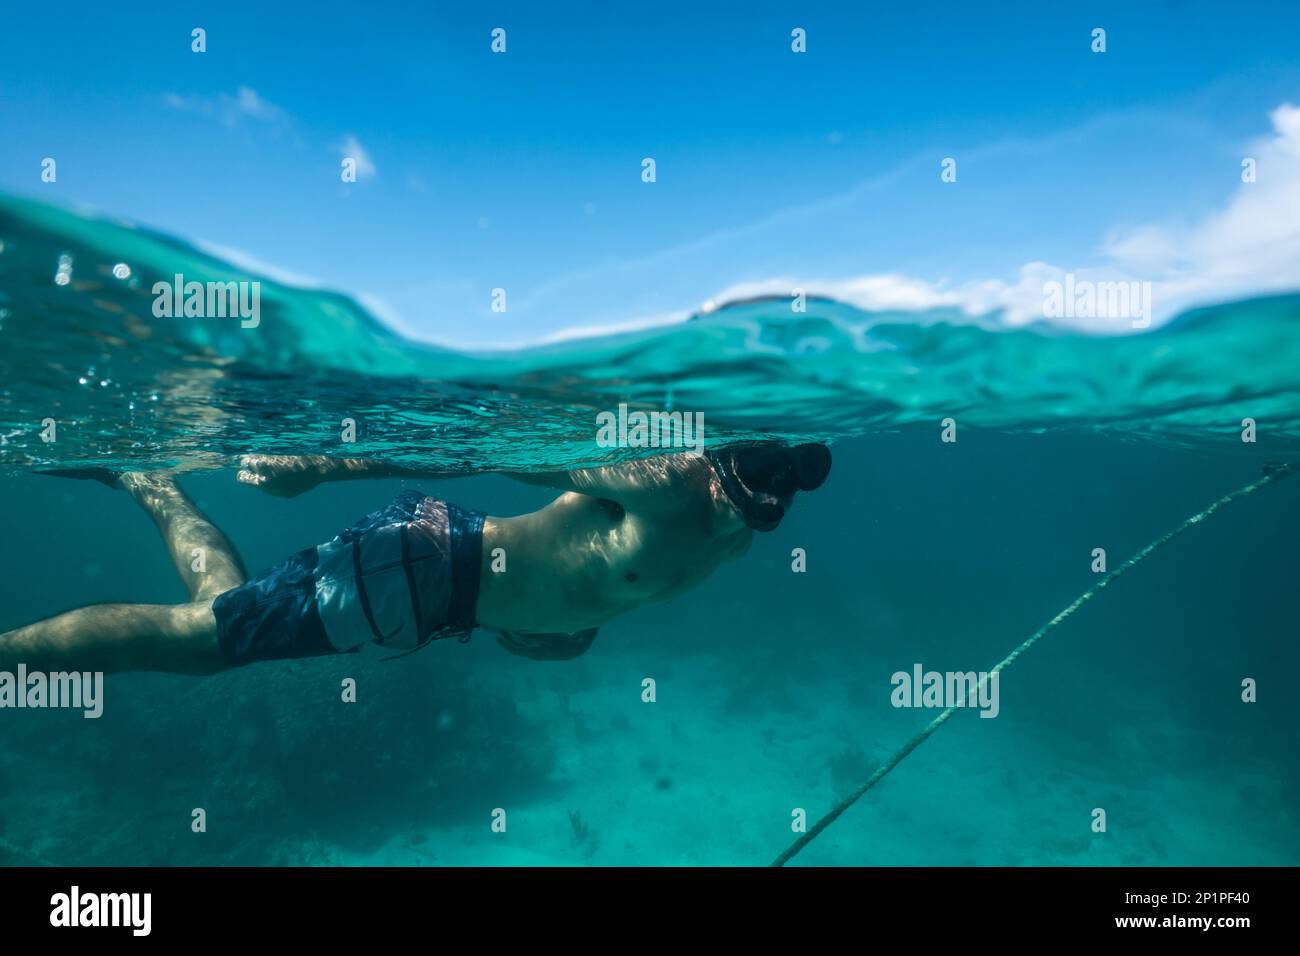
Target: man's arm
[[289, 475]]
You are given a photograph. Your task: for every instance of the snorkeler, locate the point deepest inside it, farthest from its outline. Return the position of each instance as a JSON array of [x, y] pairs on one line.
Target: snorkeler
[[422, 569]]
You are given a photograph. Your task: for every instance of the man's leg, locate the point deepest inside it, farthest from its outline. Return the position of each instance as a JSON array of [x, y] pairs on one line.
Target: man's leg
[[180, 638], [191, 538]]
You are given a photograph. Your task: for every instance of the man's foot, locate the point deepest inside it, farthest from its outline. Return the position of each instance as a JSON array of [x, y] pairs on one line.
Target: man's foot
[[282, 475], [105, 476]]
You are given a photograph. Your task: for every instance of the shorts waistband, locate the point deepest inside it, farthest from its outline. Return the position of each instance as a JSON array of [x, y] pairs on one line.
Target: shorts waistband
[[466, 529]]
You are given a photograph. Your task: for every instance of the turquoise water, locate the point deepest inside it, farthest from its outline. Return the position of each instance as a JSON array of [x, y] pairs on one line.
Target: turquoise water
[[128, 387], [773, 687]]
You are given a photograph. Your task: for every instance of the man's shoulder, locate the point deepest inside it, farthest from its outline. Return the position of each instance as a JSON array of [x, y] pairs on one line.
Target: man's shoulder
[[666, 478]]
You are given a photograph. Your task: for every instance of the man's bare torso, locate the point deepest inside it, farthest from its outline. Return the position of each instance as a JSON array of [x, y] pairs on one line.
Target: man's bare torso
[[623, 536]]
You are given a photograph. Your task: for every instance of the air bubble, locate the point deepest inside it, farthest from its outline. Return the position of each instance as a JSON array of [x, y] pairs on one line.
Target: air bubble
[[64, 275]]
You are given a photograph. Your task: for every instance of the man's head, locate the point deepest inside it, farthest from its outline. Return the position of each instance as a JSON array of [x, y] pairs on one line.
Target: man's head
[[761, 478]]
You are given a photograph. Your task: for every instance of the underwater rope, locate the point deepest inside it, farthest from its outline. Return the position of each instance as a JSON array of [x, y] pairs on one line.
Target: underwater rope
[[1271, 474]]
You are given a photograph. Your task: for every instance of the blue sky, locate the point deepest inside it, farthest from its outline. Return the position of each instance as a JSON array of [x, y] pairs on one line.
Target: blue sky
[[522, 170]]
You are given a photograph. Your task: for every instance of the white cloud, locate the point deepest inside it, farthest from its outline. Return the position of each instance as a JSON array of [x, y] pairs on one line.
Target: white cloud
[[230, 109], [250, 104], [351, 148], [571, 333], [250, 263], [1250, 246]]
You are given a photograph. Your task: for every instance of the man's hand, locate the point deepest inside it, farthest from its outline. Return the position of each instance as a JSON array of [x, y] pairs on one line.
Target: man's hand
[[283, 475]]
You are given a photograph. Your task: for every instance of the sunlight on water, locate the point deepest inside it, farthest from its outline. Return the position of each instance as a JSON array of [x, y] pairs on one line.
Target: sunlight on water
[[83, 345]]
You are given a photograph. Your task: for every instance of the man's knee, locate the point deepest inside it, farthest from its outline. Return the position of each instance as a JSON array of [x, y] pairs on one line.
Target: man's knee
[[188, 643], [219, 579]]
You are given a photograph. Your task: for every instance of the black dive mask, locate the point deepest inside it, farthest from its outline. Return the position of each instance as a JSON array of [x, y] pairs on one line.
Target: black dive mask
[[759, 515], [746, 471]]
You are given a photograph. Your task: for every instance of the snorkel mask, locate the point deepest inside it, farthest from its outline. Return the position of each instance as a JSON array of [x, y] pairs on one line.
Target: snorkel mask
[[760, 478]]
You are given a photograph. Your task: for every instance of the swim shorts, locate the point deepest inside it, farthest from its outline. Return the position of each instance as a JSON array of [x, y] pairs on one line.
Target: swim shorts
[[401, 577]]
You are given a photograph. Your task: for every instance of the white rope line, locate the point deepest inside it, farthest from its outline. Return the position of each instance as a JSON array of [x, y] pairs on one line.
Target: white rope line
[[1271, 475]]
